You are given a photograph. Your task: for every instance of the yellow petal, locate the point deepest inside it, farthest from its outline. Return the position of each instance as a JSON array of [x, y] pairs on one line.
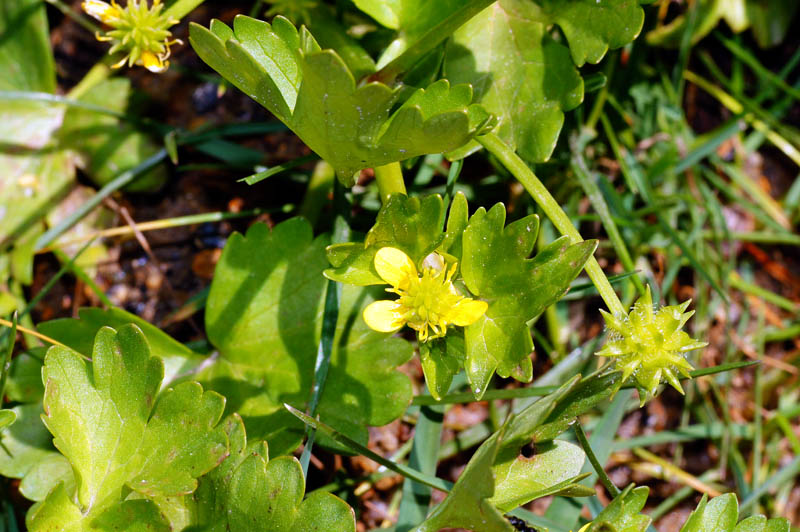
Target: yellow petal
[[384, 316], [466, 312], [153, 63], [394, 266], [120, 63], [100, 10]]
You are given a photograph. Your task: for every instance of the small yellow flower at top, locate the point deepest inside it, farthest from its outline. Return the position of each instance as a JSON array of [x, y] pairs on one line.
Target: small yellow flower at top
[[139, 31], [650, 344], [428, 302]]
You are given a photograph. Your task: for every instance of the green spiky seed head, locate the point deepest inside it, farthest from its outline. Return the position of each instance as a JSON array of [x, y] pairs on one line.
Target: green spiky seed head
[[138, 31], [648, 345]]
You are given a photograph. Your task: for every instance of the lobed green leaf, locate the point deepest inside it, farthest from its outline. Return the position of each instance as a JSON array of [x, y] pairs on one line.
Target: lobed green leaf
[[496, 268], [264, 314], [522, 75], [119, 435], [78, 334], [314, 93], [622, 514], [721, 514], [249, 491], [412, 225]]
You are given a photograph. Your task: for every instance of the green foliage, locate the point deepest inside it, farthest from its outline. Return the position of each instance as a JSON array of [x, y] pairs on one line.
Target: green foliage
[[42, 143], [467, 505], [591, 27], [412, 225], [26, 450], [25, 443], [314, 93], [622, 514], [581, 398], [264, 314], [520, 74], [420, 26], [524, 76], [79, 334], [248, 491], [25, 55], [499, 477], [496, 268], [120, 435], [721, 514], [7, 417], [37, 172], [125, 433], [551, 470]]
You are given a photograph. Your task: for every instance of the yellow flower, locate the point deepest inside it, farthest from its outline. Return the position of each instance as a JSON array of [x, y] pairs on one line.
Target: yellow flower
[[138, 31], [427, 301], [650, 345]]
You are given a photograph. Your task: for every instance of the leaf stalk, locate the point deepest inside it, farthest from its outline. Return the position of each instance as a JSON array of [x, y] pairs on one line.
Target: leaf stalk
[[520, 170]]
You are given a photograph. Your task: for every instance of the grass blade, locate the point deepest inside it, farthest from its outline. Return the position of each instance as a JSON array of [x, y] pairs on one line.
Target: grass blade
[[112, 186], [275, 170], [424, 455], [406, 471]]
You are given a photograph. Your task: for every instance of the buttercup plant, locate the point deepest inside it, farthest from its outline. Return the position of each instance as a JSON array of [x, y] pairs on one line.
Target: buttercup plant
[[323, 316]]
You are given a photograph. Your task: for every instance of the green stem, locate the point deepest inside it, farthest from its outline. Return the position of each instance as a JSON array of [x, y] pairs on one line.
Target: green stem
[[597, 200], [316, 196], [390, 180], [602, 96], [553, 210], [598, 467]]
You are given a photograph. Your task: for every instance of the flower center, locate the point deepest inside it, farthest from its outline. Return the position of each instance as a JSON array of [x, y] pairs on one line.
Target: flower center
[[427, 300]]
